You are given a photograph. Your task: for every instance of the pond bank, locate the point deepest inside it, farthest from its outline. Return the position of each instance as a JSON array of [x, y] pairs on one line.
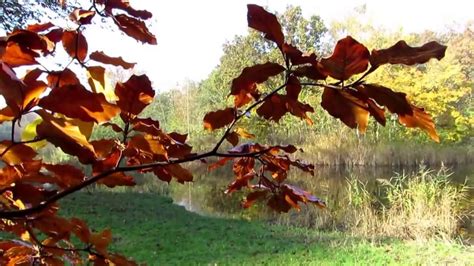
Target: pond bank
[[151, 229]]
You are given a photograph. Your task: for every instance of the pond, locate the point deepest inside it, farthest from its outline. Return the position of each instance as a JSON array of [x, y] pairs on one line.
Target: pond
[[205, 195]]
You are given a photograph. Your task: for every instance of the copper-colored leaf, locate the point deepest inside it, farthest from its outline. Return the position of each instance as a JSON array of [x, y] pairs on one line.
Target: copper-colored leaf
[[135, 94], [219, 119], [349, 109], [15, 153], [314, 72], [125, 6], [134, 28], [274, 108], [296, 194], [15, 55], [33, 89], [349, 58], [258, 18], [40, 27], [297, 57], [101, 240], [75, 44], [75, 101], [6, 114], [232, 138], [221, 162], [58, 79], [402, 53], [66, 135], [82, 16], [180, 173], [254, 196], [117, 179], [31, 41], [293, 88], [395, 102], [116, 61], [55, 35], [420, 119], [244, 87], [67, 175], [146, 125], [11, 88]]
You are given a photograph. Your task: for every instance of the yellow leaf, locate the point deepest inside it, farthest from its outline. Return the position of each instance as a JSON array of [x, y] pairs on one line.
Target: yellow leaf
[[29, 133], [244, 133], [100, 83]]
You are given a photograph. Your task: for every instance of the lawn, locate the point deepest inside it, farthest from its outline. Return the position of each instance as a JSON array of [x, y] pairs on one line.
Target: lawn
[[149, 228]]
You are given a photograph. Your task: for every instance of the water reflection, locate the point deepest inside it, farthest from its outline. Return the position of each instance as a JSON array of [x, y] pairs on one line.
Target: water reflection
[[205, 196]]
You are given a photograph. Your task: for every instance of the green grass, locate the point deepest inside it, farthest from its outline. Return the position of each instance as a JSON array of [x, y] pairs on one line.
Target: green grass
[[151, 229]]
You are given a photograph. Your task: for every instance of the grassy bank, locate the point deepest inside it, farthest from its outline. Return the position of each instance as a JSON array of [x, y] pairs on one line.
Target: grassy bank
[[151, 229]]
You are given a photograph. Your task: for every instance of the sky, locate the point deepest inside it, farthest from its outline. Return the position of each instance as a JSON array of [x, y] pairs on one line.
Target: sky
[[190, 34]]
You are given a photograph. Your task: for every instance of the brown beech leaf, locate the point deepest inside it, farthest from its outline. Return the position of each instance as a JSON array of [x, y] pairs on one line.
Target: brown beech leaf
[[299, 109], [180, 173], [58, 79], [75, 44], [135, 94], [101, 240], [260, 19], [147, 125], [254, 196], [134, 28], [240, 182], [420, 119], [219, 119], [80, 229], [65, 135], [11, 88], [278, 203], [314, 72], [100, 56], [82, 16], [296, 194], [244, 87], [117, 179], [31, 41], [149, 148], [66, 174], [349, 58], [40, 27], [232, 138], [274, 108], [55, 35], [16, 153], [395, 102], [297, 57], [6, 114], [402, 53], [293, 87], [125, 6], [349, 109], [15, 55], [33, 89], [219, 163], [74, 101]]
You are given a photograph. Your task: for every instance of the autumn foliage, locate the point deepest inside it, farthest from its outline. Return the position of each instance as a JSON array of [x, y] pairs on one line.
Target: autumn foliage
[[68, 108]]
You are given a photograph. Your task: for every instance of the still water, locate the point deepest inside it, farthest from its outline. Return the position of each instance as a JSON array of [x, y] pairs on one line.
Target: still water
[[205, 195]]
